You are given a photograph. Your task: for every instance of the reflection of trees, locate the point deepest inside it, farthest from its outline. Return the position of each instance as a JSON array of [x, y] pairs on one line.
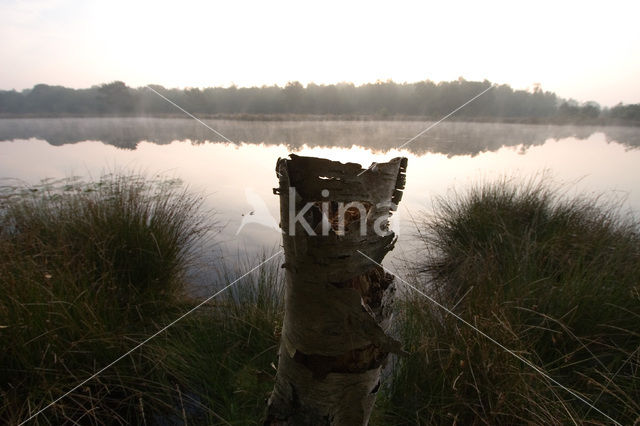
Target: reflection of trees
[[451, 138]]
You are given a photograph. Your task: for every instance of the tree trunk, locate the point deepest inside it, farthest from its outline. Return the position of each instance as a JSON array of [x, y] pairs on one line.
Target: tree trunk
[[337, 302]]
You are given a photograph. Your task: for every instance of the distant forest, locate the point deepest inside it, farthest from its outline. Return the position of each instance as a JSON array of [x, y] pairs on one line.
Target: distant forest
[[380, 100]]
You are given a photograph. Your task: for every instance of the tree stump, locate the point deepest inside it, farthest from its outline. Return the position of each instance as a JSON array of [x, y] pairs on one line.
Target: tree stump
[[334, 340]]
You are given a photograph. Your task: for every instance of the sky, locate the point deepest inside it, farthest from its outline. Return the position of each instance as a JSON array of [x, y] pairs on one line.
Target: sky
[[588, 51]]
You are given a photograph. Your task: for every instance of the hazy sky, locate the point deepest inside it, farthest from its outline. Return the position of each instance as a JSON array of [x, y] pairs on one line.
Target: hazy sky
[[582, 50]]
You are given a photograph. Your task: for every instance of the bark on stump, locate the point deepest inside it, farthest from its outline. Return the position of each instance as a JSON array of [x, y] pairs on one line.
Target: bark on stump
[[337, 302]]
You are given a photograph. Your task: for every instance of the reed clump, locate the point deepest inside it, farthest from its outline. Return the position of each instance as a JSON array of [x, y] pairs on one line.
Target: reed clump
[[88, 271], [554, 278]]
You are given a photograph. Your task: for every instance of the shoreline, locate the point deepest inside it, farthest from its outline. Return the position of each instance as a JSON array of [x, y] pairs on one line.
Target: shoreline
[[338, 117]]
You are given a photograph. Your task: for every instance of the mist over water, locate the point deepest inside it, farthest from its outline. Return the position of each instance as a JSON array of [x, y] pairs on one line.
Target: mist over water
[[451, 138], [237, 178]]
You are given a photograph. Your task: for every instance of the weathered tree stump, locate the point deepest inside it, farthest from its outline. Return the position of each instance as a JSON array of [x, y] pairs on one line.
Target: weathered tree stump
[[337, 302]]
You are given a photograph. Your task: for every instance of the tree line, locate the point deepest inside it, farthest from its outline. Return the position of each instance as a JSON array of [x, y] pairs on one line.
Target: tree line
[[388, 99]]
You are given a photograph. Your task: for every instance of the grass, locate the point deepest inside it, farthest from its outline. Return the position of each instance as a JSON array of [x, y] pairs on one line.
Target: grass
[[88, 270], [556, 279], [228, 353]]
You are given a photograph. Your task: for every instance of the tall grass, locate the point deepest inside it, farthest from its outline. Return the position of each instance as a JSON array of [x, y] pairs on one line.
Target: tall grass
[[556, 279], [228, 351], [88, 270]]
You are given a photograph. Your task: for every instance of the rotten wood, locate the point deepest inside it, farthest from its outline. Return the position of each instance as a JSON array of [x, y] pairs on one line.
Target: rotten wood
[[334, 340]]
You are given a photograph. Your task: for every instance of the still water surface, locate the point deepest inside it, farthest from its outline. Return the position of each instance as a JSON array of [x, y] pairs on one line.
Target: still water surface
[[237, 178]]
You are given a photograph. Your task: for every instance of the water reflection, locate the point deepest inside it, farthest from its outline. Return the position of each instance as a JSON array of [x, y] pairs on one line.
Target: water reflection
[[449, 138], [236, 178]]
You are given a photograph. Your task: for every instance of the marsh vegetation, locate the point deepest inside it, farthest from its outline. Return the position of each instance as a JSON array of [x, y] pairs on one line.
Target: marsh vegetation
[[88, 271]]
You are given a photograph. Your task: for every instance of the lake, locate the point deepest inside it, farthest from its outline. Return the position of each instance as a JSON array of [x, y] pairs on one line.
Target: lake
[[237, 177]]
